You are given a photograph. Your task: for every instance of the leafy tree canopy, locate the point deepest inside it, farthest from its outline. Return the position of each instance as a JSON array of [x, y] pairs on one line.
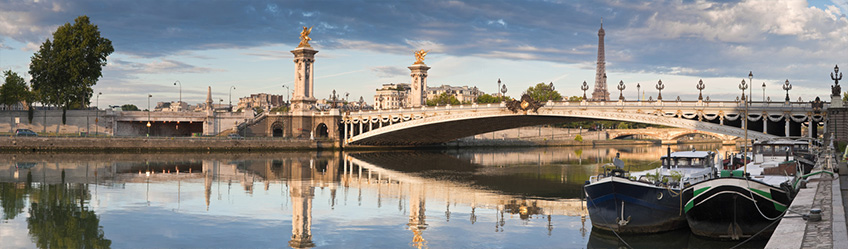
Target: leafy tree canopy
[[443, 99], [129, 107], [14, 89], [65, 69], [486, 98], [543, 92]]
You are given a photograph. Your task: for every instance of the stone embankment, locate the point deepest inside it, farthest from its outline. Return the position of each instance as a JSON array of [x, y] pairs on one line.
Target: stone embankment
[[138, 144]]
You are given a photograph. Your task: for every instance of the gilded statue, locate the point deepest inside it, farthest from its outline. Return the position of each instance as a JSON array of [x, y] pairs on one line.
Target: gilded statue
[[304, 37], [419, 56]]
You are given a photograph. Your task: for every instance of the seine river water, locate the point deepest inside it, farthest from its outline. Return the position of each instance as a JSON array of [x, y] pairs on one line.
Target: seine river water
[[454, 198]]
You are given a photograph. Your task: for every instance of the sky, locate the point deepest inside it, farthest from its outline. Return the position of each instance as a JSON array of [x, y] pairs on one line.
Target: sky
[[242, 47]]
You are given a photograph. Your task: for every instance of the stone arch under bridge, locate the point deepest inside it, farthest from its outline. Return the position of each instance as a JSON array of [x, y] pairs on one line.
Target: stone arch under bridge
[[433, 125], [664, 134]]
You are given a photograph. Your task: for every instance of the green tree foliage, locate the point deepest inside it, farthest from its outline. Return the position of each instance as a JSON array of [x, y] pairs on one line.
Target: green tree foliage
[[543, 92], [578, 138], [486, 98], [65, 69], [12, 199], [258, 110], [59, 219], [129, 107], [443, 99], [280, 109], [575, 98], [14, 89]]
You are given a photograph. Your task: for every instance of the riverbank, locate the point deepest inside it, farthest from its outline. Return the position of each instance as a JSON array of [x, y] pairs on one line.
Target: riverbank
[[219, 144], [156, 144]]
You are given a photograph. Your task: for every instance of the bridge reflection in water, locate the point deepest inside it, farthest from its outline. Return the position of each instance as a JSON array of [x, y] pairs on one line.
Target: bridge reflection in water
[[443, 198]]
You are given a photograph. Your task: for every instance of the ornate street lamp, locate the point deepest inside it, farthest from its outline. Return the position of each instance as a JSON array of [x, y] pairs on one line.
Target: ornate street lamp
[[638, 92], [751, 89], [231, 97], [503, 90], [743, 86], [700, 87], [621, 87], [499, 85], [181, 94], [764, 91], [660, 87], [584, 87], [836, 76], [787, 87]]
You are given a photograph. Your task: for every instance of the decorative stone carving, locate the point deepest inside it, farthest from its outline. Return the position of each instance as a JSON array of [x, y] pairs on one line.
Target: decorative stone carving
[[526, 104]]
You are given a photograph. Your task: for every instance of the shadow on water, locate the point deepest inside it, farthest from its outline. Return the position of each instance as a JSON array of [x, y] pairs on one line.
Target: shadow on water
[[681, 238]]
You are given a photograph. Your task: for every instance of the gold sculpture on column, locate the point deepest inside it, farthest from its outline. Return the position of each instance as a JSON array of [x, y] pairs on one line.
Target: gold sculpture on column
[[419, 56], [304, 37]]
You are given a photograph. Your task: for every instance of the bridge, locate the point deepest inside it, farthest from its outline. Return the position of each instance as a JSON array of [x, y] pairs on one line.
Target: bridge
[[667, 136], [445, 123]]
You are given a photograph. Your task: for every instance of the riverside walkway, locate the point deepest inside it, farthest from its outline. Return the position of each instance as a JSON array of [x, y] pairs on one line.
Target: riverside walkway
[[825, 192]]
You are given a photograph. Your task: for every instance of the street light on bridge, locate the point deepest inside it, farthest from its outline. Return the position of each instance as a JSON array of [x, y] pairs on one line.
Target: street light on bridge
[[231, 97], [638, 92], [97, 114], [584, 87], [787, 87], [148, 113], [181, 95], [660, 87], [287, 93], [700, 87], [764, 91], [621, 87]]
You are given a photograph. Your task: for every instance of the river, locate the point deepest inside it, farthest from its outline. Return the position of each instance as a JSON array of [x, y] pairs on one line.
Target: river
[[451, 198]]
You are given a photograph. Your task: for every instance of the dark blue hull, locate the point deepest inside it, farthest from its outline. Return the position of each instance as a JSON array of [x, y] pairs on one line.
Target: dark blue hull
[[735, 208], [625, 206]]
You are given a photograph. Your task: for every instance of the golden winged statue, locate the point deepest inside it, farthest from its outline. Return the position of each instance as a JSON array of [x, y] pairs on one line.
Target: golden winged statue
[[419, 56], [304, 37]]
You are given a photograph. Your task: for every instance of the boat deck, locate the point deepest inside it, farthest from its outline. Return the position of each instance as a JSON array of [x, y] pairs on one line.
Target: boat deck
[[825, 192]]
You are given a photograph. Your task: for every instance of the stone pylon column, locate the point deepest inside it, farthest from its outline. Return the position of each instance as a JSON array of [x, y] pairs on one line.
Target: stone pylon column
[[301, 190], [303, 97], [418, 95]]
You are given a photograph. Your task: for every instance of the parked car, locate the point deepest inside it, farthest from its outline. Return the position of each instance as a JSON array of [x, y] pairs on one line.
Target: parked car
[[235, 136], [25, 133]]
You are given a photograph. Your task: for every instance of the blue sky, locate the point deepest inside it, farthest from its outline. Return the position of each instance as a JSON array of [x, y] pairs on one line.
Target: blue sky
[[364, 44]]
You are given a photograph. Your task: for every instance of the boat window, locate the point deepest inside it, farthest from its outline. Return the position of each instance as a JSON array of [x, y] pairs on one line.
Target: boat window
[[682, 162], [696, 161], [768, 148]]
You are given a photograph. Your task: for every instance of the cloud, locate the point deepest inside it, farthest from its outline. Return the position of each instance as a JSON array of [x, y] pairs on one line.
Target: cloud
[[159, 67], [388, 71]]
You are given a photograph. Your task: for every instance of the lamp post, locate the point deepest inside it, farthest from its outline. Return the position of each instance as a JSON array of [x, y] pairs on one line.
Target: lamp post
[[660, 87], [287, 93], [148, 113], [700, 87], [503, 90], [621, 87], [584, 87], [180, 104], [499, 86], [787, 87], [638, 86], [743, 86], [231, 97], [764, 91], [97, 114], [750, 89]]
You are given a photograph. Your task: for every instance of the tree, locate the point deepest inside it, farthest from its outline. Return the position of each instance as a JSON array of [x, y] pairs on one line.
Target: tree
[[129, 107], [65, 69], [575, 98], [486, 98], [14, 90], [443, 99], [543, 92]]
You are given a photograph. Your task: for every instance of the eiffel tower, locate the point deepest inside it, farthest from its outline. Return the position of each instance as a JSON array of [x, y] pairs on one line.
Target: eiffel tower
[[601, 93]]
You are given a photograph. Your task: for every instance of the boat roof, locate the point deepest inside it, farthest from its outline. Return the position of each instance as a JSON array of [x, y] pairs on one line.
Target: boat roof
[[689, 154], [783, 141]]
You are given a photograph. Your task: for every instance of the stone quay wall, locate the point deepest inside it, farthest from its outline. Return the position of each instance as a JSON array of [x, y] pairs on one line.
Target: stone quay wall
[[88, 144]]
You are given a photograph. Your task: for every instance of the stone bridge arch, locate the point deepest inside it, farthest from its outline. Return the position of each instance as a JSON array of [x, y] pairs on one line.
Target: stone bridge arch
[[432, 126]]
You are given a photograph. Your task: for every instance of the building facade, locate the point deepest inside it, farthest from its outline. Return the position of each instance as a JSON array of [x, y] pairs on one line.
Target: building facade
[[392, 96], [262, 100], [464, 94]]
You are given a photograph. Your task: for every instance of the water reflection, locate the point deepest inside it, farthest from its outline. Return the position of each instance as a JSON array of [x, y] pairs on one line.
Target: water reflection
[[527, 197]]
